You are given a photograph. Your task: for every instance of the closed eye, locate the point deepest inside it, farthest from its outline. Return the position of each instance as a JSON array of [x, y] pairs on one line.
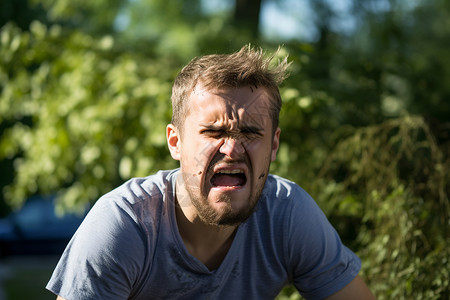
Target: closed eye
[[218, 132], [213, 132], [251, 131]]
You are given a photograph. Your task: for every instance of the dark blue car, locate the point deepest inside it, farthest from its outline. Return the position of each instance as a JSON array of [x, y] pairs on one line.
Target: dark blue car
[[37, 229]]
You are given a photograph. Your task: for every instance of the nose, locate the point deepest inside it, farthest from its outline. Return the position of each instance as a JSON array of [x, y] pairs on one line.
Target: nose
[[232, 147]]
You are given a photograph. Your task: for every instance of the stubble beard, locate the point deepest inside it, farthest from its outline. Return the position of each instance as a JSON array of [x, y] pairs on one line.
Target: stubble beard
[[225, 216]]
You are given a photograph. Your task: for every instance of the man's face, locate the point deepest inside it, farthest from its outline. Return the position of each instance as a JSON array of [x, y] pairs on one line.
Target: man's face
[[225, 151]]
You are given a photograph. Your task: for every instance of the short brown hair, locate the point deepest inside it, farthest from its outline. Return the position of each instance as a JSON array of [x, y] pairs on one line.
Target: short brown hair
[[247, 67]]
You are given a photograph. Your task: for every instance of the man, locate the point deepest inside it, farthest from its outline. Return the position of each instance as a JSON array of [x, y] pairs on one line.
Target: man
[[219, 227]]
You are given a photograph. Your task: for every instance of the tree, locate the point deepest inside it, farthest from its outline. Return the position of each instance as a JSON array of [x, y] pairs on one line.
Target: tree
[[84, 103], [246, 15]]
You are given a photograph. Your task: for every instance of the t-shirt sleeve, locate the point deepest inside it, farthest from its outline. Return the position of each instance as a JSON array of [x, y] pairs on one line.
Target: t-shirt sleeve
[[322, 265], [104, 258]]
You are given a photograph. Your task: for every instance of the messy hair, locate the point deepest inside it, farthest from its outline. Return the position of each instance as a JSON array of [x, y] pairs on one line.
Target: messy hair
[[247, 67]]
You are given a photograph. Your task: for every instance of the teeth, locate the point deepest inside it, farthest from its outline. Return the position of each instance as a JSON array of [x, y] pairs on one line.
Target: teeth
[[230, 172]]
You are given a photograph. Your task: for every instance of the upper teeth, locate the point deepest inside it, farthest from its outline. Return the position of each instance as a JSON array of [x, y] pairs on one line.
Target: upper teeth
[[230, 171]]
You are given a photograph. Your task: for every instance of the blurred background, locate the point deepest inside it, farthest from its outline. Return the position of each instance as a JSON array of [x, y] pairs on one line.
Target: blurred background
[[85, 97]]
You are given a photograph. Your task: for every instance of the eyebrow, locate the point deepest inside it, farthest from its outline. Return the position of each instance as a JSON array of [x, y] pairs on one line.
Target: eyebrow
[[250, 128]]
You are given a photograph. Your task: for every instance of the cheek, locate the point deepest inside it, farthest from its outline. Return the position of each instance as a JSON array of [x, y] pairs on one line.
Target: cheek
[[193, 152], [261, 151], [261, 158], [192, 184], [206, 152], [193, 181]]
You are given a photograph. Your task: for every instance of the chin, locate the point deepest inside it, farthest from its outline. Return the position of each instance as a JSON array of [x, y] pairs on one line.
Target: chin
[[235, 219], [230, 213]]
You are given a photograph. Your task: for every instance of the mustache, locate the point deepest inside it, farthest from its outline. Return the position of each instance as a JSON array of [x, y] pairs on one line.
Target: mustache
[[220, 158]]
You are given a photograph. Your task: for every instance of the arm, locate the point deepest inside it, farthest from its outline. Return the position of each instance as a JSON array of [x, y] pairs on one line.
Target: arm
[[356, 289], [60, 298], [104, 257], [323, 266]]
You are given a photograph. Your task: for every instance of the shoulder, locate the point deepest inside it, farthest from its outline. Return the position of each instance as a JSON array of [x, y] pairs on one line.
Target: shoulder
[[318, 261], [134, 209], [143, 188], [138, 195], [118, 235], [289, 210], [292, 206], [283, 188], [281, 193]]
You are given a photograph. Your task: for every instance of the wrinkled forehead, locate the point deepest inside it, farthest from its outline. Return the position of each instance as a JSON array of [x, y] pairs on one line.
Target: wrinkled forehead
[[247, 105], [247, 97]]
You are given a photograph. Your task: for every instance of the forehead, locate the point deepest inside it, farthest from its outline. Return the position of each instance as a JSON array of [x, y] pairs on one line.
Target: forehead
[[247, 102]]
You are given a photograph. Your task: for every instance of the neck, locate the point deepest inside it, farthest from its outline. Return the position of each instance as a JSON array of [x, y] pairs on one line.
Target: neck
[[194, 230], [208, 243]]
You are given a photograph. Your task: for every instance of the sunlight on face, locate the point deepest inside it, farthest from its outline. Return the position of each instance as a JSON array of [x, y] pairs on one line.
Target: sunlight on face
[[225, 153]]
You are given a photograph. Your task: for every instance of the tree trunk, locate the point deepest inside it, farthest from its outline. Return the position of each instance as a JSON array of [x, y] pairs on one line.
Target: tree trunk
[[246, 15]]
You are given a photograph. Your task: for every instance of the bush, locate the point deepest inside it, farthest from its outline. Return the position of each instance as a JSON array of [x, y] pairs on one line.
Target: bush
[[385, 188]]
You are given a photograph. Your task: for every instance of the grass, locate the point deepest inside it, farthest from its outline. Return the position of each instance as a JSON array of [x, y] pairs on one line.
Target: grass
[[26, 277]]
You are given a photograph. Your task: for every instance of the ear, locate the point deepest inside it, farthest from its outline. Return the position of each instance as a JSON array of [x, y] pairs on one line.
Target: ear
[[173, 141], [275, 143]]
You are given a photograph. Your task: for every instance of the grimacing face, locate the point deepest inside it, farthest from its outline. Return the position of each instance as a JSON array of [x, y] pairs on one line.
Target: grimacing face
[[225, 150]]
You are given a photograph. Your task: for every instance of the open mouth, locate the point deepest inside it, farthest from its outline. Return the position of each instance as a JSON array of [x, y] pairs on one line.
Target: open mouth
[[228, 178]]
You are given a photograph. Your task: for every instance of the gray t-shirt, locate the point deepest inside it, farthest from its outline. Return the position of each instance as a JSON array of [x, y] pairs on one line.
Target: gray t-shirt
[[129, 247]]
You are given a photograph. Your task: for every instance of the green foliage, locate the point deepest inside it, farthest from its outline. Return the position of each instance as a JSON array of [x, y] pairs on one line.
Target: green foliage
[[84, 116], [389, 181], [364, 120], [289, 293], [385, 188], [92, 16], [179, 28]]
